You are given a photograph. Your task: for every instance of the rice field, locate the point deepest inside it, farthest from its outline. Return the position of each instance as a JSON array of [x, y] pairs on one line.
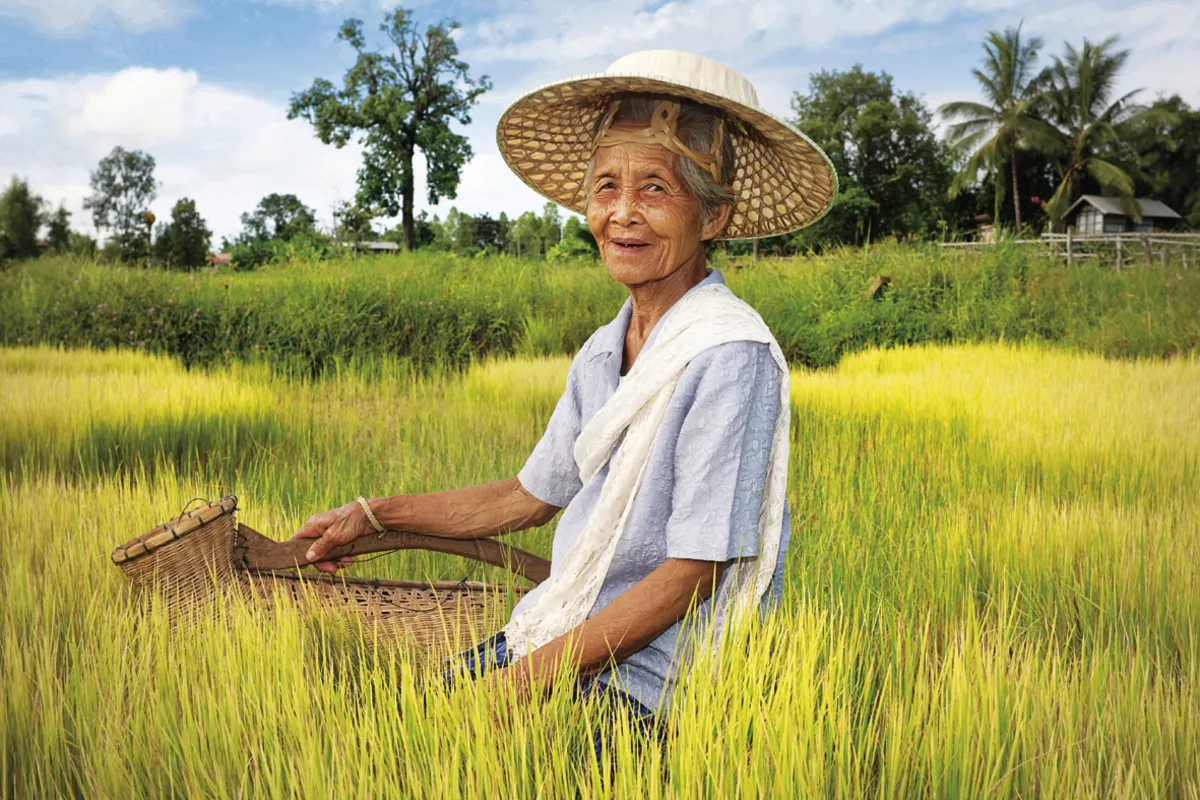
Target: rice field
[[994, 587]]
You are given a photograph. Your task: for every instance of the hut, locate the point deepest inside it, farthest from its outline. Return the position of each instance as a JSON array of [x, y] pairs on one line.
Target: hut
[[1093, 214], [376, 247]]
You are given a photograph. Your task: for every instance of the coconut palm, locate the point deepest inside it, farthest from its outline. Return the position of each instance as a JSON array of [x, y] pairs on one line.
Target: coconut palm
[[994, 131], [1080, 100]]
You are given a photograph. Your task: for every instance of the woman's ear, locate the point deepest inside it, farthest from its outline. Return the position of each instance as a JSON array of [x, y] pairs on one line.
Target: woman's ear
[[716, 223]]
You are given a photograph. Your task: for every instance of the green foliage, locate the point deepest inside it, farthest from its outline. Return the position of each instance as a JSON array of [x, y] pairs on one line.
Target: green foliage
[[278, 216], [58, 230], [20, 218], [438, 308], [993, 132], [577, 242], [80, 245], [396, 104], [882, 144], [1162, 149], [268, 234], [1082, 102], [123, 187], [353, 223], [184, 242]]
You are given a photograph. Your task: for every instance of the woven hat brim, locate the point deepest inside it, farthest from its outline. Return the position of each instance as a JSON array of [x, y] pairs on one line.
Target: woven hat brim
[[782, 181]]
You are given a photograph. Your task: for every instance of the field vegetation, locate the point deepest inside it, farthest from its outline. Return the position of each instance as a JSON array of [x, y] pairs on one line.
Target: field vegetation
[[432, 309], [993, 584]]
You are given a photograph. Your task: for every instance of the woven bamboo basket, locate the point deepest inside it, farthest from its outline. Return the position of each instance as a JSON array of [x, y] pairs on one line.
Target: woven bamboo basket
[[204, 557]]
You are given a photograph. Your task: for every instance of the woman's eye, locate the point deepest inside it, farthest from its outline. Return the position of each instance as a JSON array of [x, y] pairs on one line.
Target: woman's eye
[[655, 187]]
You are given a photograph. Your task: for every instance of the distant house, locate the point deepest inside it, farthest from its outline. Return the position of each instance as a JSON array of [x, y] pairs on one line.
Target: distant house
[[218, 260], [1095, 214], [376, 247]]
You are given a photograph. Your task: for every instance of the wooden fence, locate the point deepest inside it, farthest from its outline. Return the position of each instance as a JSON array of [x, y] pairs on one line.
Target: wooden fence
[[1119, 249]]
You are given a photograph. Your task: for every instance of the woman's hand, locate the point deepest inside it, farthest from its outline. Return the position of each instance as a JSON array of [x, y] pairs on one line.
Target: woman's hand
[[333, 528]]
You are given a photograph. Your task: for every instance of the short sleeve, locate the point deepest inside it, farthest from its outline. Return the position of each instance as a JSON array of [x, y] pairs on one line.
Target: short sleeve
[[550, 473], [722, 454]]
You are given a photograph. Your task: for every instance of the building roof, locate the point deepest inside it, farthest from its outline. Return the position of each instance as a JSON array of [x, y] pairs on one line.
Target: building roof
[[1112, 205]]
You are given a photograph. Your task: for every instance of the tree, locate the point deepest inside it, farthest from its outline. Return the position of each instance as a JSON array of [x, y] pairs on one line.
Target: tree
[[524, 234], [1092, 123], [277, 216], [81, 245], [550, 228], [353, 224], [396, 104], [21, 217], [576, 229], [995, 130], [429, 232], [577, 242], [123, 187], [882, 145], [1162, 150], [58, 229], [184, 242]]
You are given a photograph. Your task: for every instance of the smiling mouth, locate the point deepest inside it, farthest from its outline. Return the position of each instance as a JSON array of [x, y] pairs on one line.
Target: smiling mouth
[[631, 245]]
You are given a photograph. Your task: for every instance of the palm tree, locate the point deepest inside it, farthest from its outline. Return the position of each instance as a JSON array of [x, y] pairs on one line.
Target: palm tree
[[1008, 121], [1080, 102]]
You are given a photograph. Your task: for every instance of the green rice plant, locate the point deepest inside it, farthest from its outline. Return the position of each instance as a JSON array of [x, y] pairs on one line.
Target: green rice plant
[[992, 587]]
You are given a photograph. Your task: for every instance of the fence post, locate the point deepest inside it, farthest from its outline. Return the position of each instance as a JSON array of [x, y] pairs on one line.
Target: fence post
[[1146, 249], [1120, 255], [1070, 257]]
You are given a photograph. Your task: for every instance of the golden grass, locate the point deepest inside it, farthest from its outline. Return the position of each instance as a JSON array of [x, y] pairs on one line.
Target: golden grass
[[993, 588]]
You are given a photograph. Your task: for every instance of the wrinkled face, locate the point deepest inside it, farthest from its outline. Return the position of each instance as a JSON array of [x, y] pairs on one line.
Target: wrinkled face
[[646, 222]]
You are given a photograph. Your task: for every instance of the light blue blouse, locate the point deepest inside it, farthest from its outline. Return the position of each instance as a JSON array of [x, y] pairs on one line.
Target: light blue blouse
[[701, 493]]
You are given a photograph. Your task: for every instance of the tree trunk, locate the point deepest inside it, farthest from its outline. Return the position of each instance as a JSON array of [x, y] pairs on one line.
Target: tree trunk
[[997, 200], [1016, 189], [406, 199]]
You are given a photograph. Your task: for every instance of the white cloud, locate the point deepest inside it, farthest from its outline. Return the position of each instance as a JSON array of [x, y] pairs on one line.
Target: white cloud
[[74, 17], [223, 148], [567, 40]]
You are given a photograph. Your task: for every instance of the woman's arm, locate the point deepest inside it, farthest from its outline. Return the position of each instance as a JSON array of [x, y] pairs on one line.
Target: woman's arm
[[488, 509], [635, 618]]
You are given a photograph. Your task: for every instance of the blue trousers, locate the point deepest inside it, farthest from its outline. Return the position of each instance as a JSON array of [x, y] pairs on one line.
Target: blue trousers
[[492, 653]]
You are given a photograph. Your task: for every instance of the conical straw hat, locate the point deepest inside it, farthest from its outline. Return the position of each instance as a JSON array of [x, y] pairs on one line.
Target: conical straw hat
[[781, 179]]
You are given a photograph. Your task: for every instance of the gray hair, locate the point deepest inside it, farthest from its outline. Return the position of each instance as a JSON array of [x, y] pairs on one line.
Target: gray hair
[[696, 129]]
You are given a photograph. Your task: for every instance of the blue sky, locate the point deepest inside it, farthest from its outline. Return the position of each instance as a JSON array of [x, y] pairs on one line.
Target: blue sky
[[203, 86]]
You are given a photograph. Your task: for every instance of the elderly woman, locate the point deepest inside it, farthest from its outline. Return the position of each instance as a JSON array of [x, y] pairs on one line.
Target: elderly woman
[[667, 452]]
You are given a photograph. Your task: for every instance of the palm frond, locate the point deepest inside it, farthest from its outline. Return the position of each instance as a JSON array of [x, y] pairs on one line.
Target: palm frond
[[1109, 175]]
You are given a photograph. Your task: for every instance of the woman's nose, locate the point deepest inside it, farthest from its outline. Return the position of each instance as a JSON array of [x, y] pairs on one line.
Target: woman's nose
[[625, 210]]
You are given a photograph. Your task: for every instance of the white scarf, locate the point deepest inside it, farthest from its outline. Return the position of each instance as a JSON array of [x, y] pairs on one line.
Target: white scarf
[[704, 317]]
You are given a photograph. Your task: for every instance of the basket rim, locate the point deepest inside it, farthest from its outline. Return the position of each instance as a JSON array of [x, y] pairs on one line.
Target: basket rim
[[176, 528]]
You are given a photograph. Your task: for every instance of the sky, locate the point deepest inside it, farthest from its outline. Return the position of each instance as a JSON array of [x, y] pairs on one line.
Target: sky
[[204, 86]]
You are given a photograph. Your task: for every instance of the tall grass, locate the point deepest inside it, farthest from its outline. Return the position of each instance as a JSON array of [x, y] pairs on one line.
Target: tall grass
[[434, 309], [993, 587]]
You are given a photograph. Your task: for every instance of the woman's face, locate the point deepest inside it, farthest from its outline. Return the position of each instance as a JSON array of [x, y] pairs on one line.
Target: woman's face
[[646, 223]]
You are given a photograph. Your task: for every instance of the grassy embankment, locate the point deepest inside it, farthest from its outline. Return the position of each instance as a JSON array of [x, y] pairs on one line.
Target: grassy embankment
[[993, 587], [437, 309]]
